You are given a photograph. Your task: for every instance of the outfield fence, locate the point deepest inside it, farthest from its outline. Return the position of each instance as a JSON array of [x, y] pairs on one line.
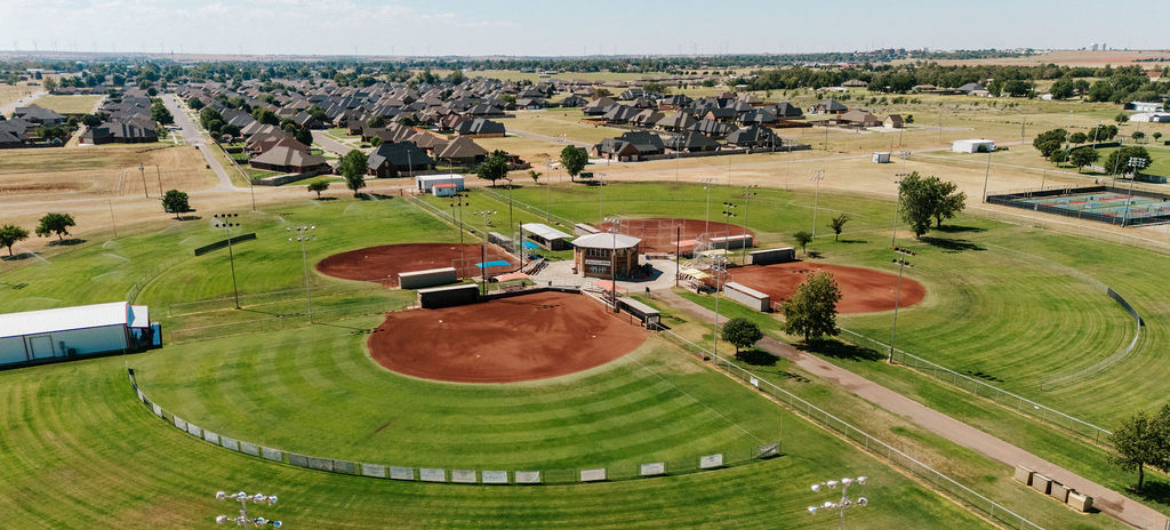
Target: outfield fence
[[534, 475], [549, 216], [963, 494]]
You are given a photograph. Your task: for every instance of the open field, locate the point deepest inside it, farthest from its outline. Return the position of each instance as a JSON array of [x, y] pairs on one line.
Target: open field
[[9, 94], [110, 170], [70, 104]]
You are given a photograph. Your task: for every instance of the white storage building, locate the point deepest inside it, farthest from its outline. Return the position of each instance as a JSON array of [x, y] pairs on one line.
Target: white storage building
[[424, 183], [75, 331], [973, 146]]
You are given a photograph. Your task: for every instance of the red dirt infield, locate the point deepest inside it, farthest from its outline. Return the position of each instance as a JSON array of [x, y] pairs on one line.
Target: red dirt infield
[[382, 264], [532, 336], [862, 290], [659, 234]]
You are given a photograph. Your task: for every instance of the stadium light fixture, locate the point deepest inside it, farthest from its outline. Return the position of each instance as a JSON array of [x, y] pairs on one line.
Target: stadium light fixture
[[817, 175], [719, 267], [901, 259], [486, 215], [897, 207], [243, 519], [747, 200], [221, 221], [1136, 164], [845, 501], [615, 224], [303, 235]]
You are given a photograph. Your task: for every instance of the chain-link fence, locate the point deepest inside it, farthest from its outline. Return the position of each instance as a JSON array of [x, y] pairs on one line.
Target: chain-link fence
[[531, 476], [960, 492]]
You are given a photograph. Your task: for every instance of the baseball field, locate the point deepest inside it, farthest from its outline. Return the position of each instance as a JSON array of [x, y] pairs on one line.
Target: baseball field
[[263, 374]]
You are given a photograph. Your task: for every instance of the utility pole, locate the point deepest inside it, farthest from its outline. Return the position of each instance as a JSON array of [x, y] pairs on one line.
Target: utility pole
[[897, 299], [221, 222], [747, 200], [897, 208], [987, 174], [459, 200], [303, 235], [142, 171], [486, 216]]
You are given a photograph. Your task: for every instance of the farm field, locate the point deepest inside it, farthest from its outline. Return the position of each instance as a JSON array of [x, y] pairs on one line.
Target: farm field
[[98, 170]]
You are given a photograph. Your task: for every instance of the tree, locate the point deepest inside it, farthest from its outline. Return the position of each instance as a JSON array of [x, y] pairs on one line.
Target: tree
[[573, 159], [1121, 118], [55, 223], [741, 333], [1142, 441], [175, 201], [319, 187], [1082, 87], [534, 175], [353, 167], [318, 113], [265, 116], [1157, 136], [1118, 161], [159, 113], [376, 121], [838, 225], [1138, 135], [1049, 142], [1078, 138], [947, 200], [195, 104], [812, 311], [50, 84], [303, 135], [1059, 157], [494, 167], [1083, 156], [208, 115], [11, 235], [91, 120], [803, 239], [915, 203], [1063, 89]]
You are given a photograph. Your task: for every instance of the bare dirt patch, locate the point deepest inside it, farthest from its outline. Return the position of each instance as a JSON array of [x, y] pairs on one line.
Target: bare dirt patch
[[523, 338], [862, 290]]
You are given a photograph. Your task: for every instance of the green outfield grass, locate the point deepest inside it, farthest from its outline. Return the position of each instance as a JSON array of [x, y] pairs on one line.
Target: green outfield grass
[[81, 452]]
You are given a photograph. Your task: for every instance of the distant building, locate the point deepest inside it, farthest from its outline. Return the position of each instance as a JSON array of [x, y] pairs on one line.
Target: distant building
[[597, 255], [71, 332], [1145, 106], [973, 146]]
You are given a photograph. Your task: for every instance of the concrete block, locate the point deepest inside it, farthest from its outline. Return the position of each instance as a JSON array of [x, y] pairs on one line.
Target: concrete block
[[229, 443], [298, 460], [495, 477], [528, 477], [374, 470], [711, 461], [768, 451], [157, 410], [1041, 483], [1058, 491], [463, 476], [593, 475], [1082, 503], [1023, 475], [401, 473], [652, 469], [320, 464], [210, 437], [432, 475], [344, 466], [180, 423], [194, 430]]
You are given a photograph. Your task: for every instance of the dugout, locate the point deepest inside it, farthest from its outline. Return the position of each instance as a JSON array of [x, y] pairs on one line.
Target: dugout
[[747, 296], [502, 241], [427, 278], [649, 316], [546, 236], [771, 255], [732, 242], [453, 295]]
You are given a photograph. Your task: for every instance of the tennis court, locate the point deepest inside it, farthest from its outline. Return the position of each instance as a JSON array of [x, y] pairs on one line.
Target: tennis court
[[1112, 205]]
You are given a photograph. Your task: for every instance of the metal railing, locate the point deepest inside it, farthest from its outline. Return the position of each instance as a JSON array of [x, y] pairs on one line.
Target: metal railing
[[871, 444]]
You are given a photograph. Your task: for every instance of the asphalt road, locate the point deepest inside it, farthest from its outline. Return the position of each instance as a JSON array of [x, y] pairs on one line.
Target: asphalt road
[[193, 136], [8, 109]]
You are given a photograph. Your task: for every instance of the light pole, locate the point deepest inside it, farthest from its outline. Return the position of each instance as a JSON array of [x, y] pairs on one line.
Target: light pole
[[600, 186], [303, 235], [747, 200], [727, 215], [897, 298], [459, 200], [243, 519], [1136, 164], [897, 209], [845, 501], [614, 227], [142, 171], [817, 176], [221, 220], [510, 233], [486, 216], [719, 267], [987, 174], [547, 213], [707, 183], [113, 221]]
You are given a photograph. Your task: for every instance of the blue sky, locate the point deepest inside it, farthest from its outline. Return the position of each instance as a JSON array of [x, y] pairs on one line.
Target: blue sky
[[490, 27]]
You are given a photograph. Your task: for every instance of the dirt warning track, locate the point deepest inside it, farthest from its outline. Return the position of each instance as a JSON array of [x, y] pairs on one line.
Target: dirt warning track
[[862, 290], [382, 264]]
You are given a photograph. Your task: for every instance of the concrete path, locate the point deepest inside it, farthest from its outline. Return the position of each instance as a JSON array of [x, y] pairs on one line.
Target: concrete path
[[193, 136], [330, 144], [1108, 501]]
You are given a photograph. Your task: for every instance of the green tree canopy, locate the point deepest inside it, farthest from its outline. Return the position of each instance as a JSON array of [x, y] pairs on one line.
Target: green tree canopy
[[318, 187], [376, 121], [1083, 156], [573, 159], [55, 224], [494, 167], [1118, 161], [175, 201], [803, 238], [1049, 142], [353, 167], [317, 112], [922, 200], [741, 333], [838, 225], [265, 116], [11, 235], [1142, 441], [159, 113], [812, 311], [1078, 138]]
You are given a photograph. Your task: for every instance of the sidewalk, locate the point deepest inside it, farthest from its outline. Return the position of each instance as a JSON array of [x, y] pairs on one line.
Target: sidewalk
[[1108, 501]]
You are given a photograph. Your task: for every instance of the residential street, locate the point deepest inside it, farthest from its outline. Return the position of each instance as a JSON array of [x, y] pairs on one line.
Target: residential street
[[193, 136]]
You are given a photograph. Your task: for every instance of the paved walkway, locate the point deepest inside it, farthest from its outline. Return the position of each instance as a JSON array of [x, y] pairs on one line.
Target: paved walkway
[[1108, 501]]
